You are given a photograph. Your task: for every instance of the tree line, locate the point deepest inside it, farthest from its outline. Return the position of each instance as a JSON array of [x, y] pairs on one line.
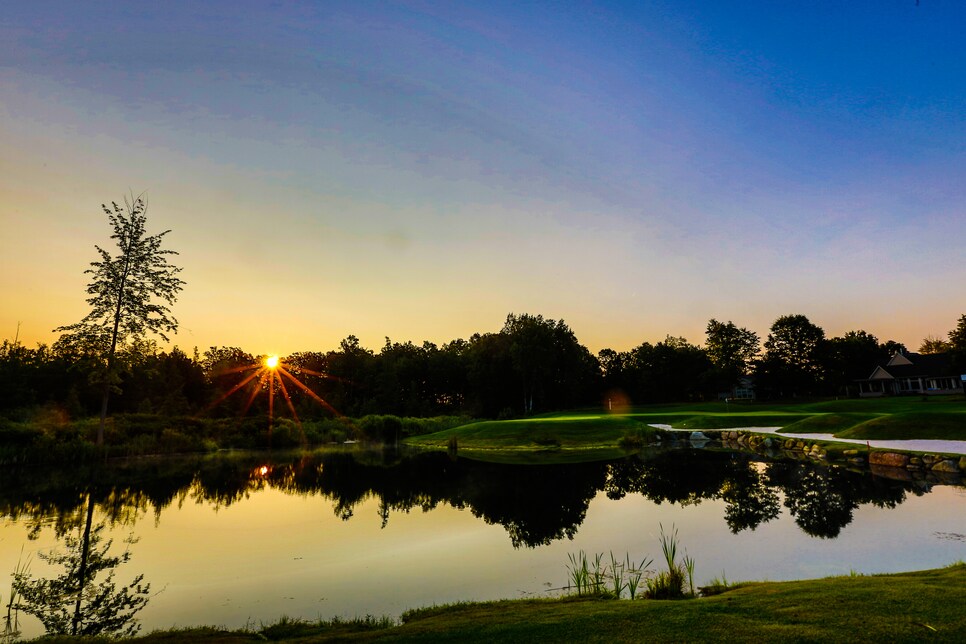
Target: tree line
[[532, 365]]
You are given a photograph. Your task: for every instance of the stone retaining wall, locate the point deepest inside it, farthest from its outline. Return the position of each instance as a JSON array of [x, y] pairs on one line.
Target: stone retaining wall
[[896, 465]]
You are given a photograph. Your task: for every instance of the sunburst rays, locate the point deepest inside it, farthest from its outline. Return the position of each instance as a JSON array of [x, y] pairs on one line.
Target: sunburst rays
[[269, 375]]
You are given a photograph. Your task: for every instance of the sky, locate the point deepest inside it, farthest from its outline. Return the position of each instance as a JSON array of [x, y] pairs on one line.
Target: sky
[[418, 170]]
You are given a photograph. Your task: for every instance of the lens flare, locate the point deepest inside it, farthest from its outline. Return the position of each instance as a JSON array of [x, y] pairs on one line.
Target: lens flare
[[268, 375]]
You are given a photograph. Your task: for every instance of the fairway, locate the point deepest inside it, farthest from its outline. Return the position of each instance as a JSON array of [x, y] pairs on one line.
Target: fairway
[[867, 419]]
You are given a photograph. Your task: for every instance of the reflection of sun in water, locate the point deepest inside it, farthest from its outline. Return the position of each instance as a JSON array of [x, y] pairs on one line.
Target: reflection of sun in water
[[269, 373]]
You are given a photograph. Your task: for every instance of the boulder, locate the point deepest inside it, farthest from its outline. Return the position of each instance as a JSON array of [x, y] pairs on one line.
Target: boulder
[[947, 465], [889, 459]]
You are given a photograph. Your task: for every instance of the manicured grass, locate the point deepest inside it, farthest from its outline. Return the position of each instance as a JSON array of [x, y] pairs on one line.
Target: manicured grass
[[832, 423], [906, 607], [878, 418], [893, 608], [938, 425], [543, 433]]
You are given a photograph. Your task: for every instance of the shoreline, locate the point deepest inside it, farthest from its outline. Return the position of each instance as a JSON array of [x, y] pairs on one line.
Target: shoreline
[[909, 445]]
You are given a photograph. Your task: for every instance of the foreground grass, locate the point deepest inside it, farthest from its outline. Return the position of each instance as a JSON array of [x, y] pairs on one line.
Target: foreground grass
[[907, 607]]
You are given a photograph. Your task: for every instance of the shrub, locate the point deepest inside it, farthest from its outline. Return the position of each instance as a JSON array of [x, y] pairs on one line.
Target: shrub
[[381, 429]]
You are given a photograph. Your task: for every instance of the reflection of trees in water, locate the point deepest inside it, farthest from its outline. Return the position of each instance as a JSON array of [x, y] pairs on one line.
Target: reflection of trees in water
[[749, 501], [536, 504], [688, 477], [81, 600], [822, 499]]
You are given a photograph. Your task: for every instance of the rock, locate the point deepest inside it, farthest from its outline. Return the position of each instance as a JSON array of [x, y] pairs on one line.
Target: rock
[[915, 460], [929, 459], [962, 463], [947, 465], [857, 460], [850, 452], [888, 459], [767, 442], [698, 436]]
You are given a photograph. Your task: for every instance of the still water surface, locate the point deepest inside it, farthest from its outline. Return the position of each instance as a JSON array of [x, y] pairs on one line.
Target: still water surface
[[247, 538]]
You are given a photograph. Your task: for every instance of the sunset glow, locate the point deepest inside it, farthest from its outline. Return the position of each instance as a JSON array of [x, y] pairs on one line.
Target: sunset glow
[[269, 375], [632, 168]]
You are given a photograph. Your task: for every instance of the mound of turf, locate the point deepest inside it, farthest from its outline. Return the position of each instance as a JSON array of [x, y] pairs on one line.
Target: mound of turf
[[827, 423], [727, 421], [940, 425], [537, 433]]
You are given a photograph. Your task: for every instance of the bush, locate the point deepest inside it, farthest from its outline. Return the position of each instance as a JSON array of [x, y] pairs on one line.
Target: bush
[[381, 429]]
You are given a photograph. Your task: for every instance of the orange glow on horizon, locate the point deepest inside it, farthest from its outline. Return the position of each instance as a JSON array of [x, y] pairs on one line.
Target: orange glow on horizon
[[269, 372]]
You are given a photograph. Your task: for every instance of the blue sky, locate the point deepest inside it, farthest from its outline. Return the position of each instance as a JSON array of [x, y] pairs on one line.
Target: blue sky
[[418, 170]]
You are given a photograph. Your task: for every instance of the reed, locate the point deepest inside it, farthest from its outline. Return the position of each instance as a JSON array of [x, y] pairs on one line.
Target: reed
[[579, 574], [617, 571], [597, 577], [669, 545], [668, 584], [11, 621], [634, 574], [688, 563], [598, 574]]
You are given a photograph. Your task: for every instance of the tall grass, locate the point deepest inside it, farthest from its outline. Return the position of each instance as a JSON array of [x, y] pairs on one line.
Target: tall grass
[[11, 621], [598, 578], [669, 584]]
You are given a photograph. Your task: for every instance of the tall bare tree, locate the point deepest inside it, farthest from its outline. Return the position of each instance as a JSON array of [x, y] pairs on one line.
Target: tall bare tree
[[129, 292]]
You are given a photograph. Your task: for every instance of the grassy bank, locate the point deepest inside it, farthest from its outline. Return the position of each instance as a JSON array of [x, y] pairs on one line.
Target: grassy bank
[[879, 418], [907, 607], [51, 439]]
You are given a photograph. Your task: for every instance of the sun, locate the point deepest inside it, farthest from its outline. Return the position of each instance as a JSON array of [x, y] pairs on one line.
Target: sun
[[269, 375]]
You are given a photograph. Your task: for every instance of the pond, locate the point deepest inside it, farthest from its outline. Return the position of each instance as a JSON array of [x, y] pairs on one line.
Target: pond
[[242, 539]]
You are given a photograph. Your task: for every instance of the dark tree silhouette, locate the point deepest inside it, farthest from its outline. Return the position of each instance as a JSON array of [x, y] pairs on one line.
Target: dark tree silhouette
[[791, 364], [121, 293], [731, 349]]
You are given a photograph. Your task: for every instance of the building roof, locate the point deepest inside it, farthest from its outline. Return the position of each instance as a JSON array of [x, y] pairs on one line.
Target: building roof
[[915, 365]]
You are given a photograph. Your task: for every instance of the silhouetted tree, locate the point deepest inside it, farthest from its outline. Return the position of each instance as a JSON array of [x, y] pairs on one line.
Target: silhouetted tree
[[848, 358], [792, 361], [122, 292], [671, 370], [957, 344], [731, 350], [352, 368], [490, 374], [932, 344]]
